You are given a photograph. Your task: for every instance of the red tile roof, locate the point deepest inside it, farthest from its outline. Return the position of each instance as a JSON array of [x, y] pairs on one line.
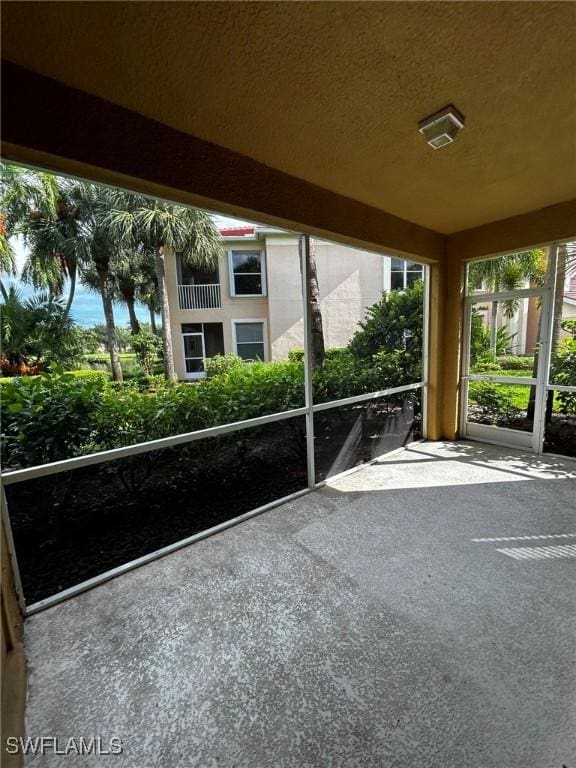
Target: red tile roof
[[236, 231]]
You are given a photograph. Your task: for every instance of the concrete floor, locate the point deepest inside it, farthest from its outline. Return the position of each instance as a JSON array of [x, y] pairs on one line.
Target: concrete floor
[[379, 622]]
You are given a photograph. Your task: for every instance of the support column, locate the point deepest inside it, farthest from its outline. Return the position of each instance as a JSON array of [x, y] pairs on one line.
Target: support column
[[444, 351]]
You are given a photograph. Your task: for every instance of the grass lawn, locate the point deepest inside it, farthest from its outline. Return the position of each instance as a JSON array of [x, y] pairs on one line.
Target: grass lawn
[[518, 394], [104, 357]]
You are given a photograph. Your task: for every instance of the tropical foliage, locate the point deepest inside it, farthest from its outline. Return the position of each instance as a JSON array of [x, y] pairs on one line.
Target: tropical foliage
[[114, 241], [35, 332], [97, 414], [392, 333]]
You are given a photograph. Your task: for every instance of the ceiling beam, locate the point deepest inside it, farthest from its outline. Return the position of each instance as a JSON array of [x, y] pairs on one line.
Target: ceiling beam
[[47, 122]]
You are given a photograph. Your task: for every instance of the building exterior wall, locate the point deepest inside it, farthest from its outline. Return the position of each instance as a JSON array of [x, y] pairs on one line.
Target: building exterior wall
[[349, 281], [233, 308]]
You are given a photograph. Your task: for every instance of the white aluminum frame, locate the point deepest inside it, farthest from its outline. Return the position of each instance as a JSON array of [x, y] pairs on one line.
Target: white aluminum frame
[[489, 433], [11, 477], [263, 322], [194, 375], [387, 271], [263, 274]]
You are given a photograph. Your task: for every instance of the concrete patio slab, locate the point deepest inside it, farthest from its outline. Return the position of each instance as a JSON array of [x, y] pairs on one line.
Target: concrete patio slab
[[376, 623]]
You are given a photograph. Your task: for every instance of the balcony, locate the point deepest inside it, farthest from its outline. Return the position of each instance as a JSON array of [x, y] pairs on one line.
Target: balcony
[[200, 296]]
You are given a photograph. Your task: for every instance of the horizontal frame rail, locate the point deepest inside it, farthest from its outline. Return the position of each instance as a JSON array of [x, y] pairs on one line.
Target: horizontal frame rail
[[84, 586], [30, 473], [368, 396], [527, 380], [560, 388], [101, 457], [522, 293]]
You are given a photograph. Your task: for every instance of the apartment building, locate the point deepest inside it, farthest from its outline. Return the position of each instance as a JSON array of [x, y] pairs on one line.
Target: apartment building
[[251, 305]]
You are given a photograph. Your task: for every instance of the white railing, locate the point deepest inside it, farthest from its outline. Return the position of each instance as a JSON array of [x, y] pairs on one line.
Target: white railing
[[203, 296]]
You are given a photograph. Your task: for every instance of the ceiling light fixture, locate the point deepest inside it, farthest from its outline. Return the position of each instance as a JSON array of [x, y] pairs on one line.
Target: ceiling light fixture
[[442, 127]]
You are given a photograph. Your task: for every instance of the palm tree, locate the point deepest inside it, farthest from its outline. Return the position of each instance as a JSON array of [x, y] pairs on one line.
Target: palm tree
[[506, 273], [39, 207], [7, 259], [35, 331], [147, 286], [98, 252], [127, 280], [148, 293], [156, 228]]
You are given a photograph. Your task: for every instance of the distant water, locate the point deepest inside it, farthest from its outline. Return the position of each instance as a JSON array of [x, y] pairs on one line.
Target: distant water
[[87, 307]]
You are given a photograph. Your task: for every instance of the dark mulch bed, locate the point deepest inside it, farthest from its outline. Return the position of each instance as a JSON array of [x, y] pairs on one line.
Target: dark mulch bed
[[73, 526], [351, 435], [76, 525], [560, 435]]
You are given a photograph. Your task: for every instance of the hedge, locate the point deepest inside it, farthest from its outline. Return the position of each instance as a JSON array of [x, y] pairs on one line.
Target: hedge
[[47, 418]]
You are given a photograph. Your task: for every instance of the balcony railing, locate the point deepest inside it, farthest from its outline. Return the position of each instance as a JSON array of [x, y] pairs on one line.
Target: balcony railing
[[203, 296]]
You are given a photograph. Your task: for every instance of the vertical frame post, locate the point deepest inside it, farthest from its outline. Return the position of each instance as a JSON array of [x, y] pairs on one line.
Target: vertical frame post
[[544, 350], [304, 249], [12, 551], [425, 350], [465, 362]]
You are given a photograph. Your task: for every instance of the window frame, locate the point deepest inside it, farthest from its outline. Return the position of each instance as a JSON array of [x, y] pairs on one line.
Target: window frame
[[389, 271], [262, 321], [231, 274]]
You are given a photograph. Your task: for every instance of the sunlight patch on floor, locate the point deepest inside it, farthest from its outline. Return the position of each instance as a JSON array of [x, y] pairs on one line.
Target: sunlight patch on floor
[[540, 553], [529, 538]]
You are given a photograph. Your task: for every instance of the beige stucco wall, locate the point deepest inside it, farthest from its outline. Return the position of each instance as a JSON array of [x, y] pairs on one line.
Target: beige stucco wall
[[349, 281], [233, 307]]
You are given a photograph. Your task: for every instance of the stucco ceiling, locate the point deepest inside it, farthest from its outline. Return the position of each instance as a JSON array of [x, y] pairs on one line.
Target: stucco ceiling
[[332, 92]]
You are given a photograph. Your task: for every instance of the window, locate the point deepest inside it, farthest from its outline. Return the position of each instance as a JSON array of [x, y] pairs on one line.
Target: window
[[403, 274], [193, 338], [247, 273], [249, 339], [201, 340]]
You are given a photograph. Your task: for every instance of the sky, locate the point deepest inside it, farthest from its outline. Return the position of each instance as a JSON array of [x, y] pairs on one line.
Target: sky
[[87, 306]]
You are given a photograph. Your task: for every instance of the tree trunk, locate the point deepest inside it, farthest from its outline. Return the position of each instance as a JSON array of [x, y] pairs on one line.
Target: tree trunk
[[134, 323], [73, 275], [494, 329], [3, 291], [112, 341], [532, 398], [555, 339], [318, 351], [153, 326], [169, 369]]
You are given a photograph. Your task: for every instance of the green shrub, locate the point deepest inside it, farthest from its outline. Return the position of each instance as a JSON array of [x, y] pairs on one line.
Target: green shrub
[[486, 363], [146, 346], [494, 402], [481, 341], [222, 364], [49, 417], [516, 362], [46, 418], [392, 325], [296, 355], [563, 372], [332, 353], [88, 374], [342, 375], [569, 325]]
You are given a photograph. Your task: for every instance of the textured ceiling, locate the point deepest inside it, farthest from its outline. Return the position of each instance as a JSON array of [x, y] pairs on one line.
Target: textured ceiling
[[332, 92]]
